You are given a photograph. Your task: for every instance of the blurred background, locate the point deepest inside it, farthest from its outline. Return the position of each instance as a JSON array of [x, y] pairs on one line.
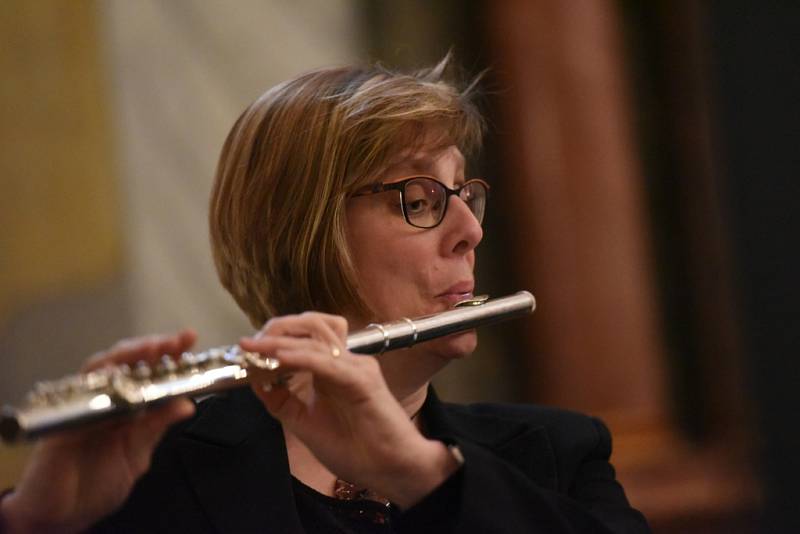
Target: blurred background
[[644, 164]]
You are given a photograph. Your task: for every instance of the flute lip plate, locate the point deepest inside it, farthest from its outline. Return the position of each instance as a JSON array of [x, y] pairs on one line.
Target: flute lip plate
[[473, 301]]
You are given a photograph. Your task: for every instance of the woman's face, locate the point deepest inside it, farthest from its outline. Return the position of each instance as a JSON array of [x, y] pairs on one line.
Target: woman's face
[[404, 271]]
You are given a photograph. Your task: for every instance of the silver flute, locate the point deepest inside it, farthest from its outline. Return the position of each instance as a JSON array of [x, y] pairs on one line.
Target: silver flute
[[114, 391]]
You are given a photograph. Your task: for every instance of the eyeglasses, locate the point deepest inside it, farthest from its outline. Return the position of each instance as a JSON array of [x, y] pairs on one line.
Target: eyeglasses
[[424, 199]]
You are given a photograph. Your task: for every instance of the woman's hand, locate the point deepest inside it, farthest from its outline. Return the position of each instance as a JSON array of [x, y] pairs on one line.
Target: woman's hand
[[79, 476], [339, 405]]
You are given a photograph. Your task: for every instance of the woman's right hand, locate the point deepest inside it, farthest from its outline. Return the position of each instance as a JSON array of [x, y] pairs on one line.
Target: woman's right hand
[[339, 405], [75, 478]]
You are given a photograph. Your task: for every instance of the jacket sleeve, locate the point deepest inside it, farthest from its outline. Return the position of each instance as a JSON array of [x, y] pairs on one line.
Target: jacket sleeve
[[491, 495]]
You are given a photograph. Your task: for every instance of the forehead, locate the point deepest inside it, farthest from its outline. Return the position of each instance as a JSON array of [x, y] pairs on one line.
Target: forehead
[[427, 161]]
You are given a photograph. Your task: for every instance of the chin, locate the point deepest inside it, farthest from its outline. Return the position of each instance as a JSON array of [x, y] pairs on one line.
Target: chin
[[457, 346]]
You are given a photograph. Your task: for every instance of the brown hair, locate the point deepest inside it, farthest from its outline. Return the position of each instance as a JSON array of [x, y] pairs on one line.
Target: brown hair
[[277, 213]]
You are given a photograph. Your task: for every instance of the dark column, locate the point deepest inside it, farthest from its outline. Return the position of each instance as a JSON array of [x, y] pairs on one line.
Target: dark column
[[756, 46]]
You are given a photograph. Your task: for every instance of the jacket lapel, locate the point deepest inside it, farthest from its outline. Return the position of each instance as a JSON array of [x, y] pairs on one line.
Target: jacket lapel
[[517, 440], [235, 459]]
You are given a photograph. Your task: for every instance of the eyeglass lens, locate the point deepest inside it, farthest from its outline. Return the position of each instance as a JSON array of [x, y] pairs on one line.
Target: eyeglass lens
[[425, 201]]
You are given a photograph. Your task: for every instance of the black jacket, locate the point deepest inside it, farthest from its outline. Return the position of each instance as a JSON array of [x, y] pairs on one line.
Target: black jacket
[[528, 469]]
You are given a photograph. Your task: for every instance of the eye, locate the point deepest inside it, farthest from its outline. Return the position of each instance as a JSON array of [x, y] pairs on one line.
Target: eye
[[416, 206], [417, 198]]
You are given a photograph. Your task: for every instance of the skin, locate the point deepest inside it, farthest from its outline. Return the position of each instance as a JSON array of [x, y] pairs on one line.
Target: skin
[[406, 271], [347, 416], [83, 475]]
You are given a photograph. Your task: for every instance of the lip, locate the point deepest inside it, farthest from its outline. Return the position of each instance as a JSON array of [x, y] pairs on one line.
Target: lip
[[457, 292]]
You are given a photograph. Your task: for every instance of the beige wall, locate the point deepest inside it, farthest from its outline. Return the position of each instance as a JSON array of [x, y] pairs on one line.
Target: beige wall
[[113, 115], [60, 230], [117, 113], [182, 72]]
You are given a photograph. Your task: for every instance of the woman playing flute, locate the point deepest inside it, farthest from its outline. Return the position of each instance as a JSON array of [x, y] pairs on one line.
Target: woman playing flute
[[343, 190]]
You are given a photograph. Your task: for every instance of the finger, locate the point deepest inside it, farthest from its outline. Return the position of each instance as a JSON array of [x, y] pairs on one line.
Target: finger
[[272, 396], [356, 374], [339, 326], [288, 401], [295, 380], [321, 358], [152, 346], [309, 324], [143, 348], [156, 420], [270, 344], [151, 420], [329, 328], [273, 346], [148, 348]]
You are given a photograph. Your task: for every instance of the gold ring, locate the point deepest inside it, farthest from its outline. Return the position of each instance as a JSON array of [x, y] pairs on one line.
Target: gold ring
[[335, 351]]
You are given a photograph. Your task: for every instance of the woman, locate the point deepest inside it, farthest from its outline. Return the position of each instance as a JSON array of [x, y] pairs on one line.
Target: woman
[[342, 191]]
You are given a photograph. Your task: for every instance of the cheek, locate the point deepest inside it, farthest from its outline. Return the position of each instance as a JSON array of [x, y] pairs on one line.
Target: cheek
[[380, 247], [396, 264], [394, 275]]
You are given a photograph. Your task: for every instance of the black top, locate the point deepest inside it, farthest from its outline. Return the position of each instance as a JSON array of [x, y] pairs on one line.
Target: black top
[[528, 469]]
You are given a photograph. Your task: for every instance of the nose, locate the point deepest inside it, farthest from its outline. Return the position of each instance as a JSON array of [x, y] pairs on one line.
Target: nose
[[462, 230]]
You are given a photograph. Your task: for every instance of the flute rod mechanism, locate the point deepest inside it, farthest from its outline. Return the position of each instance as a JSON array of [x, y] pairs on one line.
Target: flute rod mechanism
[[113, 391]]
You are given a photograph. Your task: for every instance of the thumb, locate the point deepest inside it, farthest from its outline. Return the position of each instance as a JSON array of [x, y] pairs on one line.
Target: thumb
[[152, 425]]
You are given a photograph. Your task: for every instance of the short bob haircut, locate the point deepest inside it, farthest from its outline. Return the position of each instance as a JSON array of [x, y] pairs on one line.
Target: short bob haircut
[[288, 165]]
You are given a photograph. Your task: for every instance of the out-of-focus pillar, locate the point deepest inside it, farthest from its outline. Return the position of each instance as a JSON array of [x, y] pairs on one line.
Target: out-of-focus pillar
[[579, 209], [565, 125]]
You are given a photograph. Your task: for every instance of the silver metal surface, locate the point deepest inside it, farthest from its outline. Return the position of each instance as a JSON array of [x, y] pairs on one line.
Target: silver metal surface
[[114, 391]]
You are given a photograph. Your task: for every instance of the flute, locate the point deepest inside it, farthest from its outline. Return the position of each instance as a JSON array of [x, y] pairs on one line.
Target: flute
[[114, 391]]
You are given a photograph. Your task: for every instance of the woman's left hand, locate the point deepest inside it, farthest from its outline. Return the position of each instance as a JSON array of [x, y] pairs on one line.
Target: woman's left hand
[[340, 406]]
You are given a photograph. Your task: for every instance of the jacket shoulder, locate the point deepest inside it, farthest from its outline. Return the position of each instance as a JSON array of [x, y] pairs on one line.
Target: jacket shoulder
[[562, 426], [574, 438]]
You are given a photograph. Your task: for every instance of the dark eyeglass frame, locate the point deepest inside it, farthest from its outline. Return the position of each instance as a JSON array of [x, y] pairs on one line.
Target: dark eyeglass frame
[[400, 185]]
